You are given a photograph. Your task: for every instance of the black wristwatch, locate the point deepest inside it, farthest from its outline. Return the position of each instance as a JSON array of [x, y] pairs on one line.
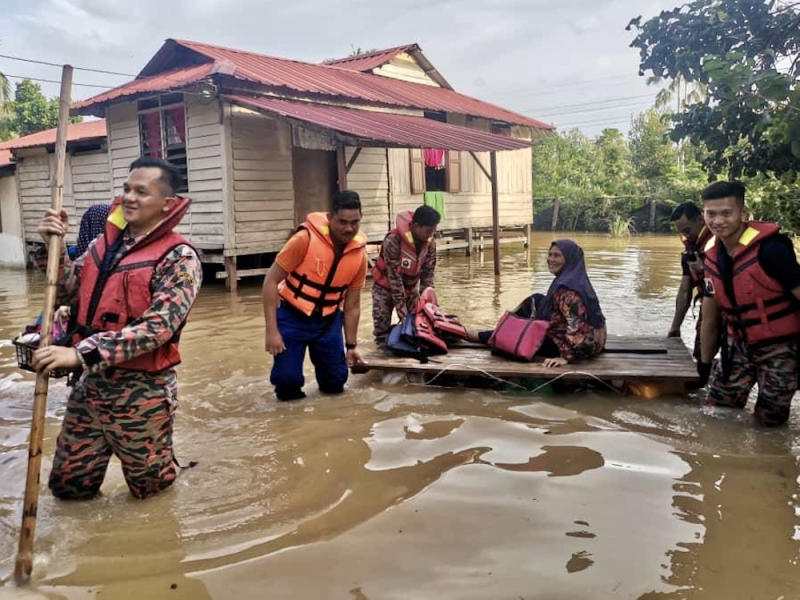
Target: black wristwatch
[[350, 346]]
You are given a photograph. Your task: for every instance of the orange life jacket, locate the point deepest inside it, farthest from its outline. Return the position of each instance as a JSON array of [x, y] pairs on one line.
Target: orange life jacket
[[112, 297], [318, 284], [411, 261], [761, 310]]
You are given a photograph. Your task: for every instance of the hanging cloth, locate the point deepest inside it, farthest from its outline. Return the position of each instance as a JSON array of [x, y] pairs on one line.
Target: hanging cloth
[[433, 158]]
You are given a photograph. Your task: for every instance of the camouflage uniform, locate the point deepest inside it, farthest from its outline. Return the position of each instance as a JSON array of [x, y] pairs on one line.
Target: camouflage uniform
[[385, 300], [772, 366], [118, 411]]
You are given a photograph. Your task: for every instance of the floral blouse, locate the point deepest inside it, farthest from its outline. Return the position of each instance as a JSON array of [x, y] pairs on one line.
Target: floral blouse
[[570, 329]]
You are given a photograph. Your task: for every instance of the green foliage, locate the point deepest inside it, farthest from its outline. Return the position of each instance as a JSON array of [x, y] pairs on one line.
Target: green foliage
[[33, 111], [746, 55], [6, 109]]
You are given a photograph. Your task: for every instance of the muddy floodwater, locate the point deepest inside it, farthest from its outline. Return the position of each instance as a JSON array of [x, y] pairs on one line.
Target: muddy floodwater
[[396, 490]]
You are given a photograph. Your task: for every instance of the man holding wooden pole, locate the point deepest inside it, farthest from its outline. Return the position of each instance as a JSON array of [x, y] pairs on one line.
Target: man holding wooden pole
[[133, 290]]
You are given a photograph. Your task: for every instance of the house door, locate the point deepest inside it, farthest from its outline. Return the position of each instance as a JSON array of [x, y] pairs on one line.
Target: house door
[[314, 175]]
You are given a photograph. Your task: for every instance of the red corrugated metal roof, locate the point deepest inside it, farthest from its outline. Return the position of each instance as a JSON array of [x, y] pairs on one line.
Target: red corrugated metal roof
[[5, 158], [383, 127], [369, 60], [308, 78], [75, 132]]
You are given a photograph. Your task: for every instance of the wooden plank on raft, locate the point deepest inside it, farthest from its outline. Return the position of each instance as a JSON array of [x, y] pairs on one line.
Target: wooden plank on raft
[[626, 358]]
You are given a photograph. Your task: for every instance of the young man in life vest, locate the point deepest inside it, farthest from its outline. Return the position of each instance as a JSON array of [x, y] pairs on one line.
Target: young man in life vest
[[312, 290], [688, 222], [404, 266], [753, 280], [131, 293]]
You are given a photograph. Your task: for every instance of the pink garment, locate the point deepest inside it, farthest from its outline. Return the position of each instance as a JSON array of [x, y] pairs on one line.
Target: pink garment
[[433, 158]]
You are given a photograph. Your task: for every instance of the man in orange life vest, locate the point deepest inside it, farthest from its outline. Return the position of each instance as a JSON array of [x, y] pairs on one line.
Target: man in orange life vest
[[688, 221], [752, 278], [404, 266], [130, 292], [313, 290]]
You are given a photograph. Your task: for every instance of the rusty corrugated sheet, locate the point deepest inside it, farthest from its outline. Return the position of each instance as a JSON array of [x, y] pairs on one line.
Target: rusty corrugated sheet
[[387, 128], [370, 60], [308, 78], [75, 132], [163, 81]]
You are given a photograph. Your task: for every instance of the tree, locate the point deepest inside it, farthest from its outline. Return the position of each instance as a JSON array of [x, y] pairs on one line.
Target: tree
[[6, 109], [746, 54], [33, 112], [613, 169]]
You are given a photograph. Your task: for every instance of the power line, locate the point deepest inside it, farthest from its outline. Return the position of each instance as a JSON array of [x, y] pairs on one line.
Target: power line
[[591, 110], [105, 87], [42, 62], [591, 103], [528, 92]]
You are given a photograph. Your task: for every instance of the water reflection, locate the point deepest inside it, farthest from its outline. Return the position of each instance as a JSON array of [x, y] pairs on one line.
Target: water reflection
[[395, 490]]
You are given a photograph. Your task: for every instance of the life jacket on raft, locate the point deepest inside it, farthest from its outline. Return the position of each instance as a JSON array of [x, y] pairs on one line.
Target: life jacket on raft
[[319, 284], [428, 328], [411, 261], [111, 295], [760, 310]]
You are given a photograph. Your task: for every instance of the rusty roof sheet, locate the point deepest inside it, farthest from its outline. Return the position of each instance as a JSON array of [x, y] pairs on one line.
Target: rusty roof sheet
[[75, 132], [389, 129], [5, 158], [298, 77], [369, 60]]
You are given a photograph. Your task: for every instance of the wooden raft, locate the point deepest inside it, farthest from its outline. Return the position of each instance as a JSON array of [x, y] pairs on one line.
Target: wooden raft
[[626, 358]]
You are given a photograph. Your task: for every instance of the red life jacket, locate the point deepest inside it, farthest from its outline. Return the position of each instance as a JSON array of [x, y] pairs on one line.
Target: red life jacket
[[110, 300], [697, 246], [411, 262], [320, 282], [761, 309]]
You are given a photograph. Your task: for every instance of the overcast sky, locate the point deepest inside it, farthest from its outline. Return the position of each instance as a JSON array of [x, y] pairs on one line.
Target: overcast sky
[[562, 61]]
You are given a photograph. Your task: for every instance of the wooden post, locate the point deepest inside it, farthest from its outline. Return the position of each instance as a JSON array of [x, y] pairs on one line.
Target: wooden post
[[652, 214], [232, 279], [527, 235], [554, 222], [30, 504], [495, 212], [341, 168], [469, 238]]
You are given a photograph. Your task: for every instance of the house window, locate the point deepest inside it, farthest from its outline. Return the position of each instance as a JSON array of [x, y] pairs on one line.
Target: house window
[[162, 131], [435, 170]]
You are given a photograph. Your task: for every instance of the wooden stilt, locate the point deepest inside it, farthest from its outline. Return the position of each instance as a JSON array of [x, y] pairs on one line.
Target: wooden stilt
[[232, 280], [469, 239]]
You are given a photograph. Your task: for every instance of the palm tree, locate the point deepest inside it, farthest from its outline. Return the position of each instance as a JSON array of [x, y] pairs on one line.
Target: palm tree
[[6, 108]]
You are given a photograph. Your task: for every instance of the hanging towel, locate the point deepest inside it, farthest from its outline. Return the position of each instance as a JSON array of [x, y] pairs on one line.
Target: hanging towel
[[435, 200], [433, 158]]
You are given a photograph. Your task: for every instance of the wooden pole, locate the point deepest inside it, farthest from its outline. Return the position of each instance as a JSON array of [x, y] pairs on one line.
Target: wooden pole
[[30, 505], [495, 212], [341, 169]]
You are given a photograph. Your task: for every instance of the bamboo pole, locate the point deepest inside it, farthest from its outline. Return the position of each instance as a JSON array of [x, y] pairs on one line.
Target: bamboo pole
[[24, 563]]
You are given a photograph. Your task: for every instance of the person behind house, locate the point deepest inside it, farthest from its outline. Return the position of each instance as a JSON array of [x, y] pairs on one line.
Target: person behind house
[[310, 293], [753, 279], [134, 290], [405, 265], [577, 325], [688, 222], [93, 223]]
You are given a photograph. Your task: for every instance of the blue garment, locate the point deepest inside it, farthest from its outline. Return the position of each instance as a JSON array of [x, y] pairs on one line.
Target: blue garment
[[325, 342]]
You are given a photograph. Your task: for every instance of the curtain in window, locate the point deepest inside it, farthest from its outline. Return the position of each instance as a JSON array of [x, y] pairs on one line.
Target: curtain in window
[[175, 125], [433, 158], [150, 124]]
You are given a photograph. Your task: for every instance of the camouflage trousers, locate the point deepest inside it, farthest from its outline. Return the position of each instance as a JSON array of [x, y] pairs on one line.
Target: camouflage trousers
[[125, 413], [383, 308], [772, 366]]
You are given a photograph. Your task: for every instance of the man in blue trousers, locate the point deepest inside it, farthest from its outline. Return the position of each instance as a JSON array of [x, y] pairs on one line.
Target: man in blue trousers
[[311, 293]]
